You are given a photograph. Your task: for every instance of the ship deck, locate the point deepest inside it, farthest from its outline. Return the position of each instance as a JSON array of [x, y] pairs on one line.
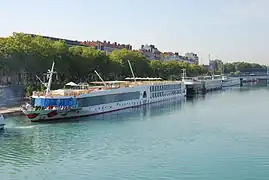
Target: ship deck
[[99, 86]]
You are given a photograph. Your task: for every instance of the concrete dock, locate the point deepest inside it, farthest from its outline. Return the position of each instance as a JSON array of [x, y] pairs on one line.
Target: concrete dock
[[11, 111]]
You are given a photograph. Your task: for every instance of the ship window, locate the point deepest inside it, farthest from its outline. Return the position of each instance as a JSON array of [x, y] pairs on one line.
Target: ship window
[[105, 99], [145, 94]]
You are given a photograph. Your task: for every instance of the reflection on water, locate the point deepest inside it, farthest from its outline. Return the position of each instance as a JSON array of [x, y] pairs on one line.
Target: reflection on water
[[25, 145], [215, 136]]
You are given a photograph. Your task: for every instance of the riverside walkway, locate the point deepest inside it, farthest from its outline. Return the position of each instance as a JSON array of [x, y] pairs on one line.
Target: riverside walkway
[[10, 111]]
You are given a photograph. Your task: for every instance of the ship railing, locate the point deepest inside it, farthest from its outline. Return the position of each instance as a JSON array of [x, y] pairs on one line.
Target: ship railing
[[87, 91]]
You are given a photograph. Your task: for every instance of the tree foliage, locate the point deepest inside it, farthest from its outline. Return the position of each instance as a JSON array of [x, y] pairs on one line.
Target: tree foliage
[[244, 67], [22, 57]]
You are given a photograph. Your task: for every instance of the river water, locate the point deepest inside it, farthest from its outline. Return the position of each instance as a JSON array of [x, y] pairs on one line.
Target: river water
[[223, 135]]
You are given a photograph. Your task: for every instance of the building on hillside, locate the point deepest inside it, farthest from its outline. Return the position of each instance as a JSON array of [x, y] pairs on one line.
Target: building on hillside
[[192, 57], [215, 65], [106, 45], [151, 52], [168, 56], [67, 41]]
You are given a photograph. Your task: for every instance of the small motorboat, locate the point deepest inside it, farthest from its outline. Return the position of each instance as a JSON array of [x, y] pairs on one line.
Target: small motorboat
[[2, 124]]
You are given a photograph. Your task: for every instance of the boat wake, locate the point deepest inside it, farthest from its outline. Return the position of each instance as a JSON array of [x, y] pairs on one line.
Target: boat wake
[[23, 127]]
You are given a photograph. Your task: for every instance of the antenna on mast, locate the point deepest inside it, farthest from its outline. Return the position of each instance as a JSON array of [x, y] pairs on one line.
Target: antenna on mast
[[100, 77], [223, 68], [183, 74], [131, 70], [45, 84], [50, 73], [212, 74]]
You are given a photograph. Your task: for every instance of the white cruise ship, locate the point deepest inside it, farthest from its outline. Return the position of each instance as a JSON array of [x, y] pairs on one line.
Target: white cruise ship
[[2, 124], [211, 82], [230, 81], [100, 98], [207, 82]]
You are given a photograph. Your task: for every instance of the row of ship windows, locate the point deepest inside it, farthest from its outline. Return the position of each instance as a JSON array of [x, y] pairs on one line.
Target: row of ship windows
[[162, 94], [105, 99], [165, 87], [118, 104]]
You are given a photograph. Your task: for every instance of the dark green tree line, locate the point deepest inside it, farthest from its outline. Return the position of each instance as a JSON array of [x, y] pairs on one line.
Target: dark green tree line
[[244, 67], [22, 57]]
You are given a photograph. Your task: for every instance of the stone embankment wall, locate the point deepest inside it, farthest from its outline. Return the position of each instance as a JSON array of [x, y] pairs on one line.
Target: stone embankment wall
[[11, 95]]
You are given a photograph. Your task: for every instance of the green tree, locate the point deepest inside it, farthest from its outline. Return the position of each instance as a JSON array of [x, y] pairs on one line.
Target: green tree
[[22, 57]]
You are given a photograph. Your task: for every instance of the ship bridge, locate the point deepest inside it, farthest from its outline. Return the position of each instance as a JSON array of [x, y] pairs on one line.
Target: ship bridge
[[46, 102]]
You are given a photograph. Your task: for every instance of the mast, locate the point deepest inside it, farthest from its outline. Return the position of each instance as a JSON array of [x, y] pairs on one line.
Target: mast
[[222, 71], [131, 70], [100, 77], [183, 74], [50, 78], [209, 59], [45, 84]]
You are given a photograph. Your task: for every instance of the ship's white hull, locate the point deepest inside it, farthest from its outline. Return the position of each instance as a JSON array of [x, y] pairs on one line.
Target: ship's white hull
[[151, 97], [231, 82], [2, 124], [212, 84]]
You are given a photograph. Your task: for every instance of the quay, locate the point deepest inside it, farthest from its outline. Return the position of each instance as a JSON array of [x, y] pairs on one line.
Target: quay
[[9, 112]]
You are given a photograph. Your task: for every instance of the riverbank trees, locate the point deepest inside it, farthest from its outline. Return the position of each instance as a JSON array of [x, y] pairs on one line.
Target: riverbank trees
[[22, 57]]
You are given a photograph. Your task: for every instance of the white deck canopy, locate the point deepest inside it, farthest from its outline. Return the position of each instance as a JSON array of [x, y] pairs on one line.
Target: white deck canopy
[[71, 84], [145, 79]]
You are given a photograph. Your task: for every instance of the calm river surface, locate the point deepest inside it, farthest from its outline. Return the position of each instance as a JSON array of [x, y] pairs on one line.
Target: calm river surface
[[224, 135]]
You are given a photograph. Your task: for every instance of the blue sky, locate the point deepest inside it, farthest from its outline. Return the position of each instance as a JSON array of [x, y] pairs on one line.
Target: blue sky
[[231, 30]]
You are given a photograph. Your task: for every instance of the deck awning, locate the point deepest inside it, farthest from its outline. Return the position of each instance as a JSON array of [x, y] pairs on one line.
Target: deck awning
[[71, 84]]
